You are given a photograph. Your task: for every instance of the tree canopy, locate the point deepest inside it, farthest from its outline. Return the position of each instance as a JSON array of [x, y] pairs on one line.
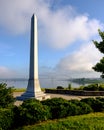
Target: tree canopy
[[99, 67]]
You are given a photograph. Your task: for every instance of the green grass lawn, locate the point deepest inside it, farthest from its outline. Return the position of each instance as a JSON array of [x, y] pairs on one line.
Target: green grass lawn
[[93, 121], [23, 89], [19, 89]]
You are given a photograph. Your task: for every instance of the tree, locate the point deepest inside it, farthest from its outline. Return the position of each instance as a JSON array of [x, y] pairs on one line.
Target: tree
[[99, 67]]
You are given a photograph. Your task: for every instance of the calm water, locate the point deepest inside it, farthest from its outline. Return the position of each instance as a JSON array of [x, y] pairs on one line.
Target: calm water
[[45, 83]]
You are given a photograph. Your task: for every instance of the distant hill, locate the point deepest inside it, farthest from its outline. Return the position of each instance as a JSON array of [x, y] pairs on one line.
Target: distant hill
[[83, 81]]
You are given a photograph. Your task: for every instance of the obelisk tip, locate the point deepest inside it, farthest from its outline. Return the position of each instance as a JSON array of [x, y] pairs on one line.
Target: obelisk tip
[[34, 15]]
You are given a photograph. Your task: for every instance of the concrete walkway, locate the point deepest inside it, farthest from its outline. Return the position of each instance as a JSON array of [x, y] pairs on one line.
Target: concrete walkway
[[67, 97]]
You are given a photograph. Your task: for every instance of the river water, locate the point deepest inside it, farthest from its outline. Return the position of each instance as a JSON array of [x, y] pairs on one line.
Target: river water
[[44, 83]]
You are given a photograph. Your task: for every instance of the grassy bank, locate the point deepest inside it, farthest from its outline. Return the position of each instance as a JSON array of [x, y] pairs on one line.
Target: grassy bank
[[93, 121], [19, 89], [23, 89]]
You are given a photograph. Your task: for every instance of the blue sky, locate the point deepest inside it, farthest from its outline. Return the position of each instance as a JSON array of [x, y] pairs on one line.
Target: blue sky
[[66, 29]]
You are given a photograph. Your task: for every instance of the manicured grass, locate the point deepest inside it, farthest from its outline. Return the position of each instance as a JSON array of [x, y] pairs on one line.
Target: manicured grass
[[19, 89], [23, 89], [93, 121]]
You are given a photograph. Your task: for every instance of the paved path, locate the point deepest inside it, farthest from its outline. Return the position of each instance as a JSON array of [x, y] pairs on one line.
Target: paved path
[[67, 97]]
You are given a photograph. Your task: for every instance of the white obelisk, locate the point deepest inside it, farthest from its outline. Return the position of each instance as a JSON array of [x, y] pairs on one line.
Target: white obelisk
[[33, 83], [33, 88]]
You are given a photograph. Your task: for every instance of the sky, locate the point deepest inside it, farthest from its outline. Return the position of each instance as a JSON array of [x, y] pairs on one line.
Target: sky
[[66, 29]]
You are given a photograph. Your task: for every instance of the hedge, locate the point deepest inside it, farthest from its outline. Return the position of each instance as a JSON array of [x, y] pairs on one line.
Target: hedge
[[96, 104], [6, 118], [31, 112]]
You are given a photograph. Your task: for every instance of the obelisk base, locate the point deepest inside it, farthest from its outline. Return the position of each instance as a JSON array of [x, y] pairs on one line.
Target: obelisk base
[[27, 95], [33, 92]]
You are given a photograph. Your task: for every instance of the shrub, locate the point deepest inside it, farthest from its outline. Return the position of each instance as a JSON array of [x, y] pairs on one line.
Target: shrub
[[101, 87], [60, 87], [83, 107], [60, 107], [69, 86], [96, 104], [6, 96], [91, 87], [100, 99], [73, 109], [81, 87], [6, 118], [30, 112]]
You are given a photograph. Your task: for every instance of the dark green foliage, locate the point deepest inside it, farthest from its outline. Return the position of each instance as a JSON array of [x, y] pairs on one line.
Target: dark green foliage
[[100, 99], [93, 121], [100, 45], [73, 109], [30, 112], [101, 87], [60, 87], [6, 118], [91, 87], [69, 86], [30, 100], [99, 67], [84, 108], [58, 107], [61, 108], [96, 104], [6, 96]]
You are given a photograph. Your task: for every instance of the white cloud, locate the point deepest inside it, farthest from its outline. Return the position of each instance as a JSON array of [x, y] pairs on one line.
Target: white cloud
[[81, 61], [62, 30], [58, 28], [5, 72]]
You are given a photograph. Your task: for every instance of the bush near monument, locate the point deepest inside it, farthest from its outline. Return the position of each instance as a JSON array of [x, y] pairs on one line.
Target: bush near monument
[[6, 96], [6, 118], [30, 112], [92, 121], [96, 104], [84, 108], [33, 111], [62, 108]]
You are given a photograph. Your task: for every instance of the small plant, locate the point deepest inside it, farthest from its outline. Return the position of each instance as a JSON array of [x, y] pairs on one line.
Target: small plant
[[69, 86], [60, 87]]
